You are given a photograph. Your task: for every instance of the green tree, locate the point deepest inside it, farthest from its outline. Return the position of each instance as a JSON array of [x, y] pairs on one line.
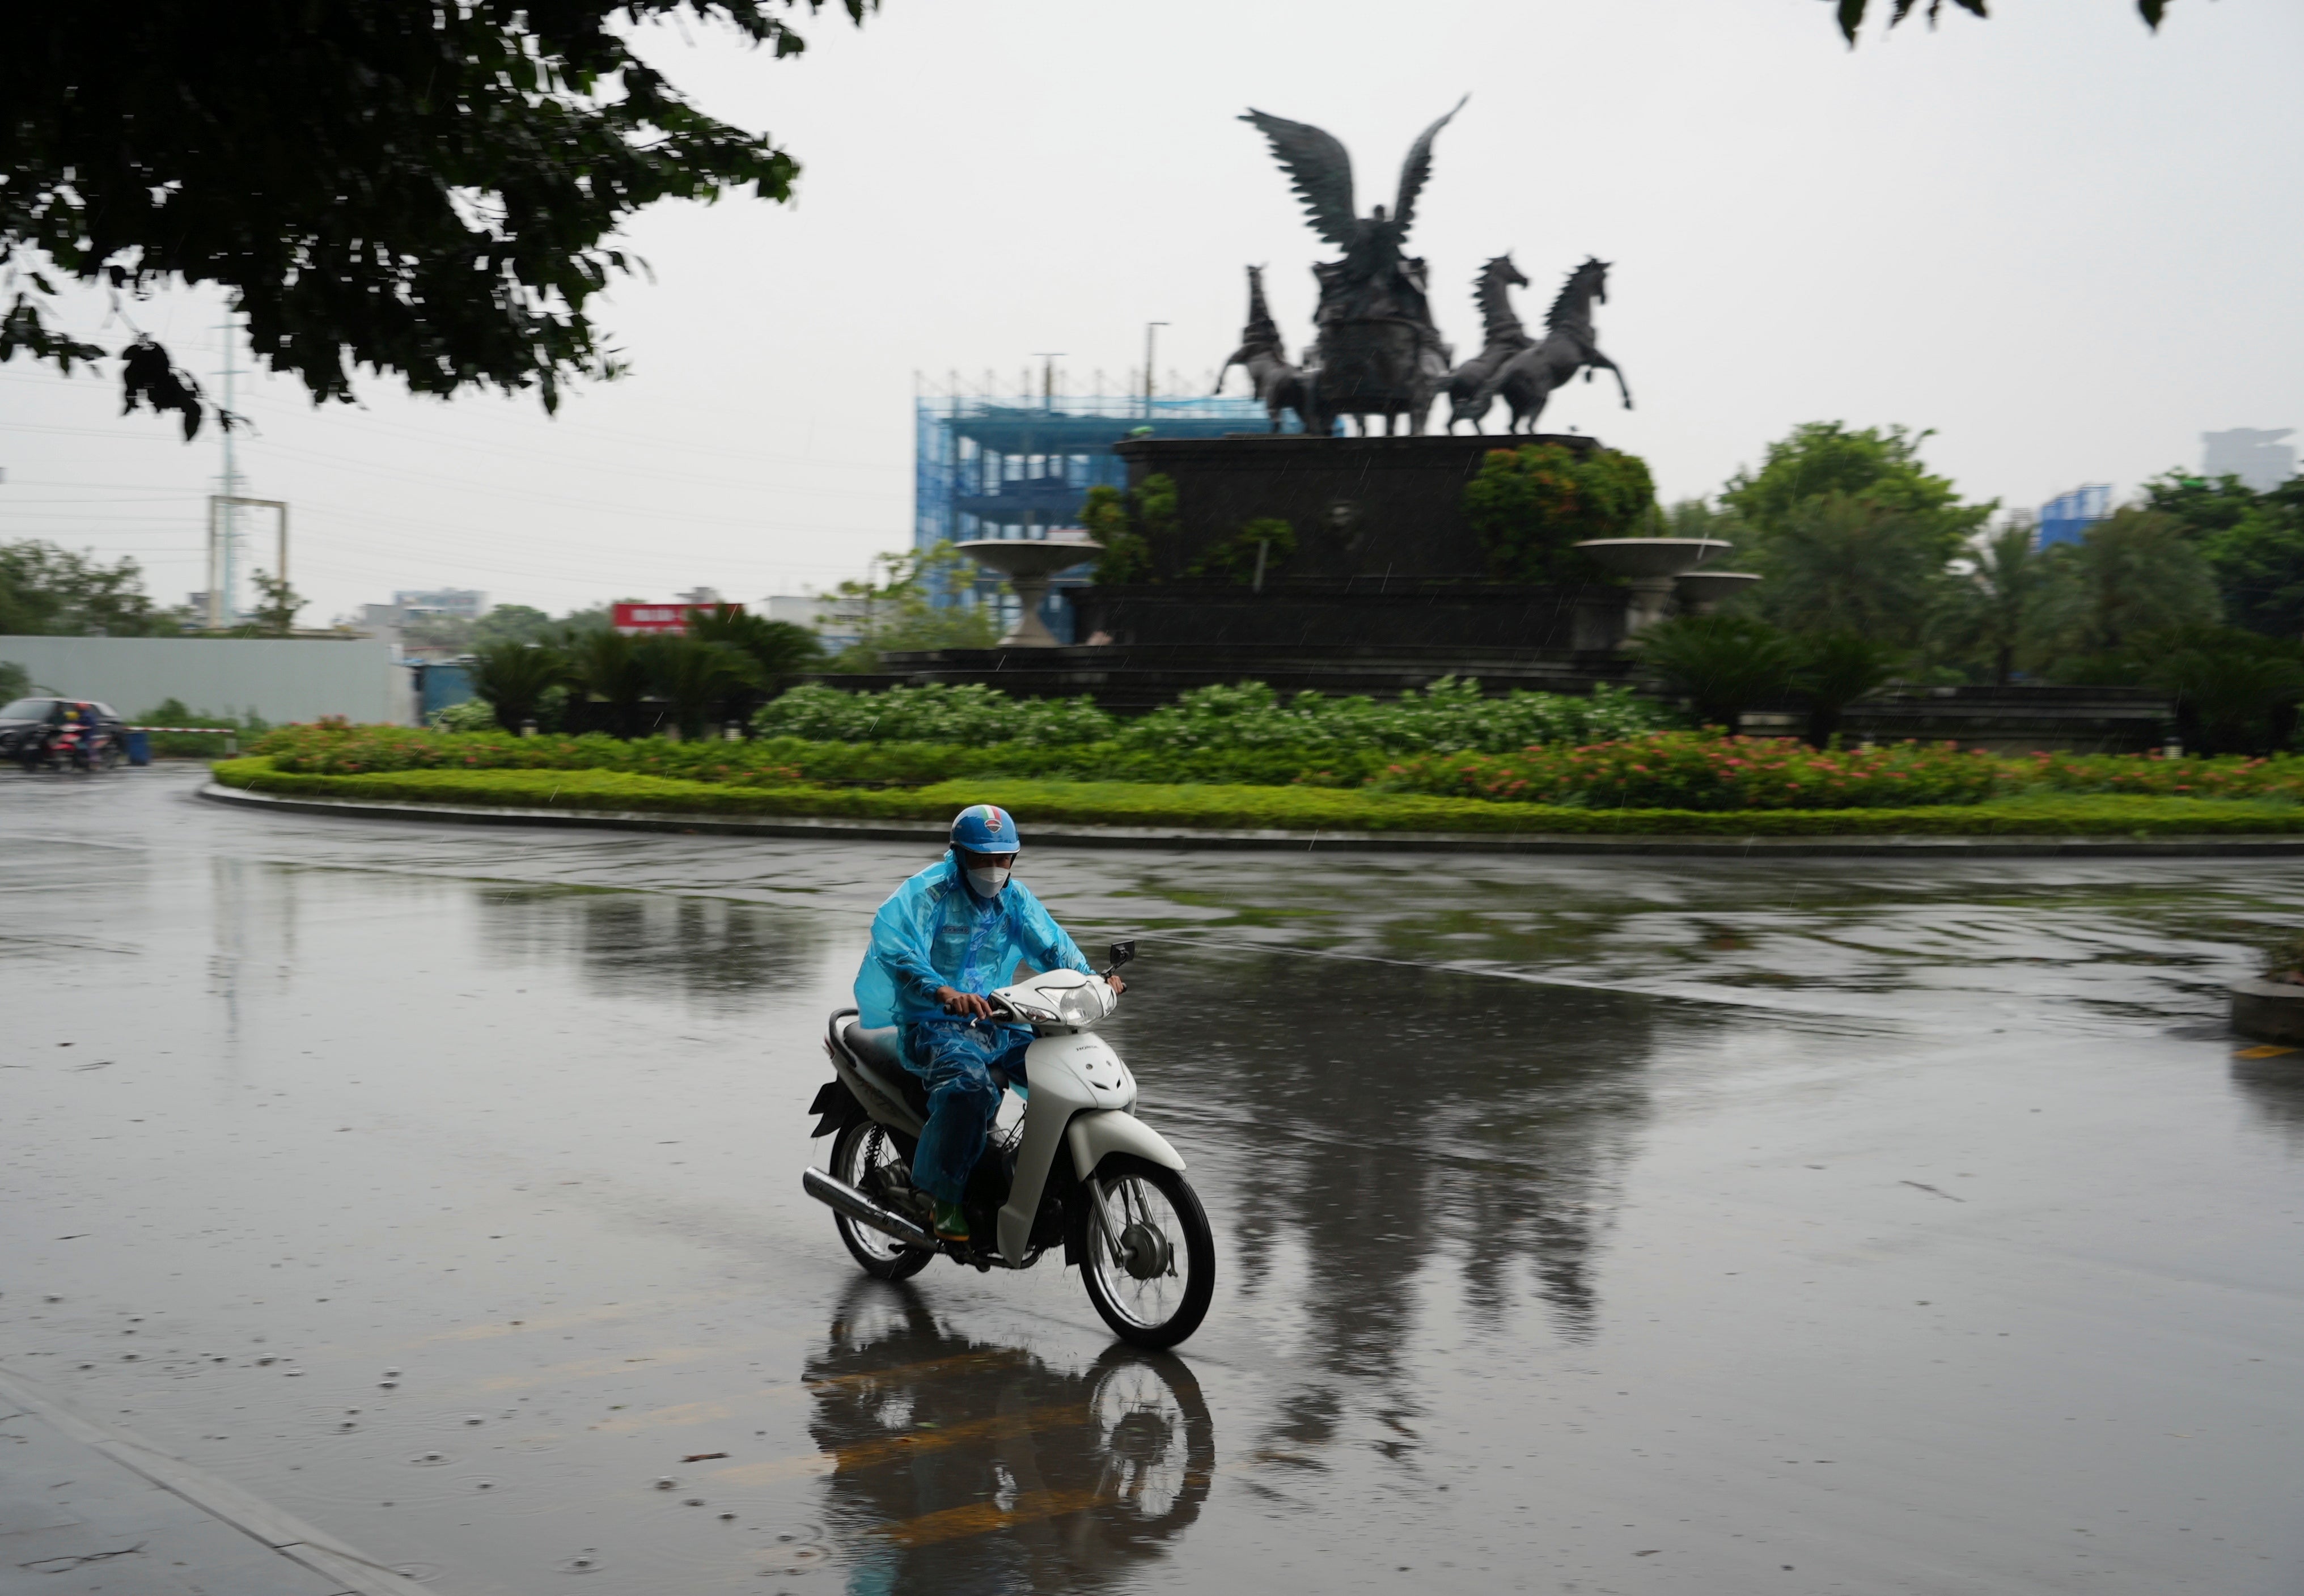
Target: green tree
[[2253, 542], [913, 605], [44, 589], [15, 681], [427, 190], [276, 616], [513, 623], [1841, 562], [1880, 467], [1128, 524], [1996, 609], [1722, 664], [1531, 504], [1260, 547], [513, 678], [2135, 575]]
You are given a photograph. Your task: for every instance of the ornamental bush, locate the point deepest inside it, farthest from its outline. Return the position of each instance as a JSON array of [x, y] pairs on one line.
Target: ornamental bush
[[1530, 506], [1701, 770]]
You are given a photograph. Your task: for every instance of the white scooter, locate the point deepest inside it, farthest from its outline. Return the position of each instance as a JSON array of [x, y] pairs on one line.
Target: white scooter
[[1074, 1168]]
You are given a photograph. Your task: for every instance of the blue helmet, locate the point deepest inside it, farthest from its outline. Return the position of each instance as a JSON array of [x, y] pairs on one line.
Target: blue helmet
[[984, 828]]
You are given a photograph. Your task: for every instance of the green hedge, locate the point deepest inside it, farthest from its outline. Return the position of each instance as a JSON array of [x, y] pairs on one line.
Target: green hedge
[[1261, 808]]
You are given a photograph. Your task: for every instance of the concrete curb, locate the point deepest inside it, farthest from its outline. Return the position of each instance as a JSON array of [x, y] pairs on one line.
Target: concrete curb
[[1340, 842], [2271, 1011], [221, 1501]]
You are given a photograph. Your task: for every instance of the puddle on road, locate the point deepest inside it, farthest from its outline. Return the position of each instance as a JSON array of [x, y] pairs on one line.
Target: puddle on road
[[1520, 1280]]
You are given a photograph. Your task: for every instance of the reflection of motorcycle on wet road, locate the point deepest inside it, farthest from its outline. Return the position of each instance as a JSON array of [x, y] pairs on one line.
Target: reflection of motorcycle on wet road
[[1074, 1168], [964, 1468]]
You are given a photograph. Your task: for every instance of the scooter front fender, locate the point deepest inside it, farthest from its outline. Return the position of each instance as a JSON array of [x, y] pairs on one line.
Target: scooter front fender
[[1096, 1134]]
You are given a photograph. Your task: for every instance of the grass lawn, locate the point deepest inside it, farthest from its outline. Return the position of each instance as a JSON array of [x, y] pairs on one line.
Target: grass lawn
[[1269, 808]]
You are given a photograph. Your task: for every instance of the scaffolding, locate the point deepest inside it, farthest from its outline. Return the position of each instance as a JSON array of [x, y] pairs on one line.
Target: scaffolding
[[1021, 466]]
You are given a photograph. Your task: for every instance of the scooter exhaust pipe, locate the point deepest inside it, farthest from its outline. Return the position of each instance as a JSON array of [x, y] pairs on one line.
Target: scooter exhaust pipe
[[840, 1195]]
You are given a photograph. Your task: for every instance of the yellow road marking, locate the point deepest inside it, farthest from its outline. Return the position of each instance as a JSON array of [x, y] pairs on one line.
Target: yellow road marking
[[594, 1369], [684, 1413], [2266, 1051], [872, 1454], [983, 1518]]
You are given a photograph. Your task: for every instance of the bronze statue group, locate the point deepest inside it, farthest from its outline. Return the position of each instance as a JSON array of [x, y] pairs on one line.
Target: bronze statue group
[[1376, 352]]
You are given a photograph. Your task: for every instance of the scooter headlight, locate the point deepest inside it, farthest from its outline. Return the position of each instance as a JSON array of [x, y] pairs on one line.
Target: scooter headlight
[[1080, 1007]]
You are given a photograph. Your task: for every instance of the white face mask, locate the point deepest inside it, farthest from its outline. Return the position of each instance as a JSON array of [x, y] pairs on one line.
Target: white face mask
[[988, 882]]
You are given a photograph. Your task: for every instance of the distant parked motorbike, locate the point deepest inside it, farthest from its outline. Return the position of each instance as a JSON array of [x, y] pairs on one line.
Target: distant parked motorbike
[[1068, 1165], [76, 745]]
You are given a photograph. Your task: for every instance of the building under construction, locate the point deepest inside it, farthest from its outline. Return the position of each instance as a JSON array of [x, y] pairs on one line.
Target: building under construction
[[1021, 466]]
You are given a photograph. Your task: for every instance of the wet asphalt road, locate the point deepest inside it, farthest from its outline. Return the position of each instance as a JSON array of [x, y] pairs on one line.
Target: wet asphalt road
[[1586, 1226]]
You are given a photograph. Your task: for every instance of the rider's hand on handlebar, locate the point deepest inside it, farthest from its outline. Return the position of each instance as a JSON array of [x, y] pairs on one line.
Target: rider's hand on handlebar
[[1117, 985], [968, 1004]]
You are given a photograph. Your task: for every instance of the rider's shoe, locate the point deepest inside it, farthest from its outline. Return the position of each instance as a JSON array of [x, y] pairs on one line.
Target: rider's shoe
[[951, 1223]]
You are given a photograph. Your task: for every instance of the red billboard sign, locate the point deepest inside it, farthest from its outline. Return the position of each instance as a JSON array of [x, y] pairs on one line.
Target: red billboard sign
[[639, 619]]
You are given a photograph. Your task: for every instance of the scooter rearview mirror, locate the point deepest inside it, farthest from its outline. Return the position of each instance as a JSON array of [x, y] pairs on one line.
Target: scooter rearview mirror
[[1122, 952]]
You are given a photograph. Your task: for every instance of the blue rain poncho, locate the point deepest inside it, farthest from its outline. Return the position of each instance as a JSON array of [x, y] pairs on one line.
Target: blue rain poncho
[[933, 932]]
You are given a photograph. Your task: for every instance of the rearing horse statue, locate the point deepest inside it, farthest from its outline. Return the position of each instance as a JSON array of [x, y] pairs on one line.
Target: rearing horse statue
[[1527, 380], [1502, 337], [1279, 385]]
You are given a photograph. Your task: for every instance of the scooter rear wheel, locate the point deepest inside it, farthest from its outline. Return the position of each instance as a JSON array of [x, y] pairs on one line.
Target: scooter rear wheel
[[856, 1151], [1148, 1258]]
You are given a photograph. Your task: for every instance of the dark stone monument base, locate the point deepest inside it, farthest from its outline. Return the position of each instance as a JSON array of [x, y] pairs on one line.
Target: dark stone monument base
[[1372, 508], [1362, 611]]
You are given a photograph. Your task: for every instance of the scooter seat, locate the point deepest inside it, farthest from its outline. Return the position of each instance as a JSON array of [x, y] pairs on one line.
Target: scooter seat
[[876, 1047]]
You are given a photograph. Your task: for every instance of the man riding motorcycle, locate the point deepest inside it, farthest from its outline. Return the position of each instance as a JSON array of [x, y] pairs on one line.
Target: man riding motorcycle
[[954, 931]]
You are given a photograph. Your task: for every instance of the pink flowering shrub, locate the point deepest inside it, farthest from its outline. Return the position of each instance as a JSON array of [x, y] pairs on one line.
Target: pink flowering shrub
[[1703, 770]]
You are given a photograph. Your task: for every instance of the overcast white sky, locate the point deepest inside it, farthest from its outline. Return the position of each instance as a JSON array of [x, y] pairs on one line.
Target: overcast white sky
[[2066, 244]]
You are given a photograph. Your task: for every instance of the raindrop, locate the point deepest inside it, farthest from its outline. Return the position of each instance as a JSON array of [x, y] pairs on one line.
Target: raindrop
[[727, 1516], [388, 1385], [52, 1298], [666, 1483], [474, 1419], [267, 1358], [484, 1485], [346, 1424], [128, 1357], [693, 1502], [291, 1373], [88, 1365], [392, 1374], [352, 1409]]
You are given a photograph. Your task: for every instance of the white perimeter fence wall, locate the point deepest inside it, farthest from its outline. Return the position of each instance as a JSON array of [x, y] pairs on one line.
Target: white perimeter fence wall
[[281, 679]]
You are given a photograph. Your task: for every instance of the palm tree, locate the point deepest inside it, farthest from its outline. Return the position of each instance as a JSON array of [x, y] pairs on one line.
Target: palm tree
[[1835, 669], [512, 679], [607, 668], [1724, 663], [1839, 561], [2235, 692], [1997, 606], [690, 676], [778, 647]]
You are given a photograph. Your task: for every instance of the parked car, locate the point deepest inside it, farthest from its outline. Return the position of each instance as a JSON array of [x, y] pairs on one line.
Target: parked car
[[61, 733]]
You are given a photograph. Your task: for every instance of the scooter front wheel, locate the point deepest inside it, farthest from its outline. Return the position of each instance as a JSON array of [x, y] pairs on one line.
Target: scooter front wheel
[[856, 1151], [1148, 1257]]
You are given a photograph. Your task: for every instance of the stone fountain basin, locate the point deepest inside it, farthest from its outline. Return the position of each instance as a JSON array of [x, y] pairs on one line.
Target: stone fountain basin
[[1639, 557], [1710, 587], [1029, 557]]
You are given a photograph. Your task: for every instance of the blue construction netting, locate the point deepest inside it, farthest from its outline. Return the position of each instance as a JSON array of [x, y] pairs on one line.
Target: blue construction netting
[[986, 467], [2067, 517]]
